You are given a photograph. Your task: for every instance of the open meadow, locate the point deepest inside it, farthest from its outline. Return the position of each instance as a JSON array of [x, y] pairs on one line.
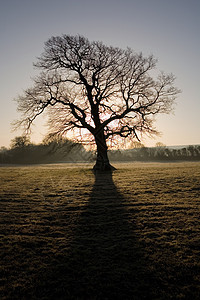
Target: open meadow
[[67, 233]]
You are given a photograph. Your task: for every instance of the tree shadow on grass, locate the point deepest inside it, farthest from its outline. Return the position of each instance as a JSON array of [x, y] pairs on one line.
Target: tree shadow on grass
[[105, 260], [91, 248], [100, 257]]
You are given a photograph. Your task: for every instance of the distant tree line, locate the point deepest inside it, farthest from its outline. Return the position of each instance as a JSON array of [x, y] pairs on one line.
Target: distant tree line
[[51, 150], [54, 150], [159, 153]]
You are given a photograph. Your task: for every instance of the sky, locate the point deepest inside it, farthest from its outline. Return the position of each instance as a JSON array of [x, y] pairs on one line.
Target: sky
[[167, 29]]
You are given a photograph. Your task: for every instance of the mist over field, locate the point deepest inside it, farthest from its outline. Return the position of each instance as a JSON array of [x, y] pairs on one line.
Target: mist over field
[[22, 151], [69, 233]]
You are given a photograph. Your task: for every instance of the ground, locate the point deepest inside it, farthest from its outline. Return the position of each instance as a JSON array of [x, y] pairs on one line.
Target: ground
[[67, 233]]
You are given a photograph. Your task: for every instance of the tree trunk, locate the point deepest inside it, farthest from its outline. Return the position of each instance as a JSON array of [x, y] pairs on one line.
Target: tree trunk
[[102, 161]]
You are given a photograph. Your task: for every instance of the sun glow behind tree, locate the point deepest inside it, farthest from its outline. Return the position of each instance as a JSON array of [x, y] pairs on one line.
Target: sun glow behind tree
[[103, 95]]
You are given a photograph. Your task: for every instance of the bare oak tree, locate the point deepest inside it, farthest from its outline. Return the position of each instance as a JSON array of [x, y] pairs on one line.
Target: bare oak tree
[[92, 88]]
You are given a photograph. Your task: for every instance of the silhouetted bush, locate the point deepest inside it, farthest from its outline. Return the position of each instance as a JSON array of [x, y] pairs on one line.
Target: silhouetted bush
[[62, 150]]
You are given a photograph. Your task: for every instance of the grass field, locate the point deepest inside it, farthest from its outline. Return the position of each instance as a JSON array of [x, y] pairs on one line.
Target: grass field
[[66, 233]]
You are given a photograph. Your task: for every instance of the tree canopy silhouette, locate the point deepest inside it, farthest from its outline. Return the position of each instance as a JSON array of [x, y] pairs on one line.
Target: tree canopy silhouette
[[20, 142], [102, 93]]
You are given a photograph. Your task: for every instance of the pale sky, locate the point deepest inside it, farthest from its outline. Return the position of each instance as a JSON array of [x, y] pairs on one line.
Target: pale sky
[[167, 29]]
